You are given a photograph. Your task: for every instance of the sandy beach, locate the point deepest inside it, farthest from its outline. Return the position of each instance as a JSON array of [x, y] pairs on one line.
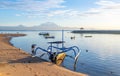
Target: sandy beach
[[16, 62]]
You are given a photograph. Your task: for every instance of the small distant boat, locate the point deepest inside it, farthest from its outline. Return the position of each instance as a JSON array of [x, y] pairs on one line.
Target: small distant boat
[[72, 37], [88, 36], [43, 33], [49, 37]]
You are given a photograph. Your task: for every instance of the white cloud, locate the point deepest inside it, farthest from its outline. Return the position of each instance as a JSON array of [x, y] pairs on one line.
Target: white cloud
[[108, 4], [106, 14], [38, 8], [31, 5], [105, 7], [18, 15], [51, 8], [33, 8], [63, 13]]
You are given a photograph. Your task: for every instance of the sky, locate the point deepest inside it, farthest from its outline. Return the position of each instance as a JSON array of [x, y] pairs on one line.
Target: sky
[[93, 14]]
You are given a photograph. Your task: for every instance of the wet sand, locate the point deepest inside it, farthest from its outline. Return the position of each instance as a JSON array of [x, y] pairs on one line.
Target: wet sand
[[16, 62]]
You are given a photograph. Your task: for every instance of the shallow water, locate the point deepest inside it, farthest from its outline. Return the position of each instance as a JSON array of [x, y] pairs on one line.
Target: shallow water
[[102, 58]]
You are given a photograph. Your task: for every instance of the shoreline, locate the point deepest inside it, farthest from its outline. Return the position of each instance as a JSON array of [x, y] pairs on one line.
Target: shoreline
[[16, 62], [96, 31]]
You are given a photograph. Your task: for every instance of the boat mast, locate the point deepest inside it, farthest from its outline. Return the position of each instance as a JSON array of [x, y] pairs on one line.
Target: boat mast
[[62, 38]]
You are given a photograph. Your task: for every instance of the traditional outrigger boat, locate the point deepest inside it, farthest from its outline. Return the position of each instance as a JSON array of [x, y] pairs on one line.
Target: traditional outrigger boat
[[57, 54], [49, 37], [44, 33]]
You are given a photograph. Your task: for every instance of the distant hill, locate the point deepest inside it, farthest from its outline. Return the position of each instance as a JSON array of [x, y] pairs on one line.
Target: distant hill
[[13, 28], [43, 26], [47, 26]]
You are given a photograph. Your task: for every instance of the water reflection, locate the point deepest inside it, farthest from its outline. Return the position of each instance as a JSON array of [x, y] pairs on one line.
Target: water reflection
[[102, 56]]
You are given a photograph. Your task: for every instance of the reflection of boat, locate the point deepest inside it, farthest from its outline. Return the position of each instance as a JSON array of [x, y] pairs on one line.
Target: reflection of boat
[[88, 36], [43, 33], [49, 37]]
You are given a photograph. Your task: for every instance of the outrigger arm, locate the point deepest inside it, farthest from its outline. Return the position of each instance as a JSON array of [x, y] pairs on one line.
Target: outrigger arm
[[58, 56], [50, 52]]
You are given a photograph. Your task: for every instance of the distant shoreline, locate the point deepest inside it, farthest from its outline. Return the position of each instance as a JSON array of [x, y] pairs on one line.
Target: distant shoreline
[[36, 30], [96, 31]]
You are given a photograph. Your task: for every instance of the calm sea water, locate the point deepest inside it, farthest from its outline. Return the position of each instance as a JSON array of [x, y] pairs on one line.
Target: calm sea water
[[102, 58]]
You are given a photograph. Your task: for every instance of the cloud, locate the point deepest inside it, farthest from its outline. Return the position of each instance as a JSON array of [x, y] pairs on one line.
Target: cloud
[[18, 14], [105, 7], [106, 4], [107, 13], [51, 8], [32, 8], [39, 8], [68, 12], [31, 5]]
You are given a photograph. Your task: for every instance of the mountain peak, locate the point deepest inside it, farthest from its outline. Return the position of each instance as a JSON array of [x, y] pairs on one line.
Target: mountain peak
[[49, 24]]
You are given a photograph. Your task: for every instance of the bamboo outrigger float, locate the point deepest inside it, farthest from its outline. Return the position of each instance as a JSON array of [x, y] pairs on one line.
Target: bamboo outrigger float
[[57, 54]]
